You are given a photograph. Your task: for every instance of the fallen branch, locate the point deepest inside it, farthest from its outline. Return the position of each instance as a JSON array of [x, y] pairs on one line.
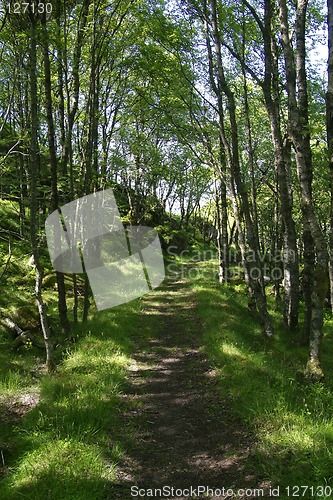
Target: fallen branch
[[13, 326]]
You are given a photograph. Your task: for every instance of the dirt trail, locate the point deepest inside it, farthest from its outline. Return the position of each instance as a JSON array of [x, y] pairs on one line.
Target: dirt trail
[[185, 434]]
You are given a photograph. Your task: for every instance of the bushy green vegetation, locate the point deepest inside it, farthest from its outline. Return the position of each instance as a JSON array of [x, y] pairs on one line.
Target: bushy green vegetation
[[290, 419]]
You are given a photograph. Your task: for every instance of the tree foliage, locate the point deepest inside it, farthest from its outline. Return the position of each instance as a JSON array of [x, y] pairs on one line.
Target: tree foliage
[[189, 110]]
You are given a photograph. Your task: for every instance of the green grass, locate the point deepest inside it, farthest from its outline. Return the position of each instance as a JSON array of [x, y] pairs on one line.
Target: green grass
[[68, 446], [291, 421]]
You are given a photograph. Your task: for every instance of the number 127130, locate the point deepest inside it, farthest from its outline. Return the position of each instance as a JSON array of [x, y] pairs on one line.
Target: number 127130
[[35, 8]]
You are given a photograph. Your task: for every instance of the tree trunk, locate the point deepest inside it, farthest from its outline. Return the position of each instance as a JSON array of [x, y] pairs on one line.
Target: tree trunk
[[329, 128], [34, 173], [86, 302], [251, 260], [72, 110], [250, 151], [62, 306], [219, 231], [60, 86], [307, 277], [222, 230], [276, 249], [270, 88], [225, 249], [300, 137]]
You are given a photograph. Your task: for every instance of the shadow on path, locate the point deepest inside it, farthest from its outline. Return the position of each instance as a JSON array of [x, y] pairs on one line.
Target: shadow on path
[[185, 434]]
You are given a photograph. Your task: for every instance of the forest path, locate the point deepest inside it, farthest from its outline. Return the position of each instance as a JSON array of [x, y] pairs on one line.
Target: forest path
[[184, 433]]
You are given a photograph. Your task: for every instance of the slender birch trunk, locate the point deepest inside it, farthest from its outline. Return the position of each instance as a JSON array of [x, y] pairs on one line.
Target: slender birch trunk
[[241, 206], [282, 164], [62, 306], [34, 173], [300, 137], [329, 128]]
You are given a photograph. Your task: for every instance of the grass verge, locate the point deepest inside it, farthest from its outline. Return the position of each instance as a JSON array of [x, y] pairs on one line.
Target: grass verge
[[68, 445], [291, 421]]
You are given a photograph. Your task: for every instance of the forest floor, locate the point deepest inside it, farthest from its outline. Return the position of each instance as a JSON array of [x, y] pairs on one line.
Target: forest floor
[[178, 392], [186, 435]]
